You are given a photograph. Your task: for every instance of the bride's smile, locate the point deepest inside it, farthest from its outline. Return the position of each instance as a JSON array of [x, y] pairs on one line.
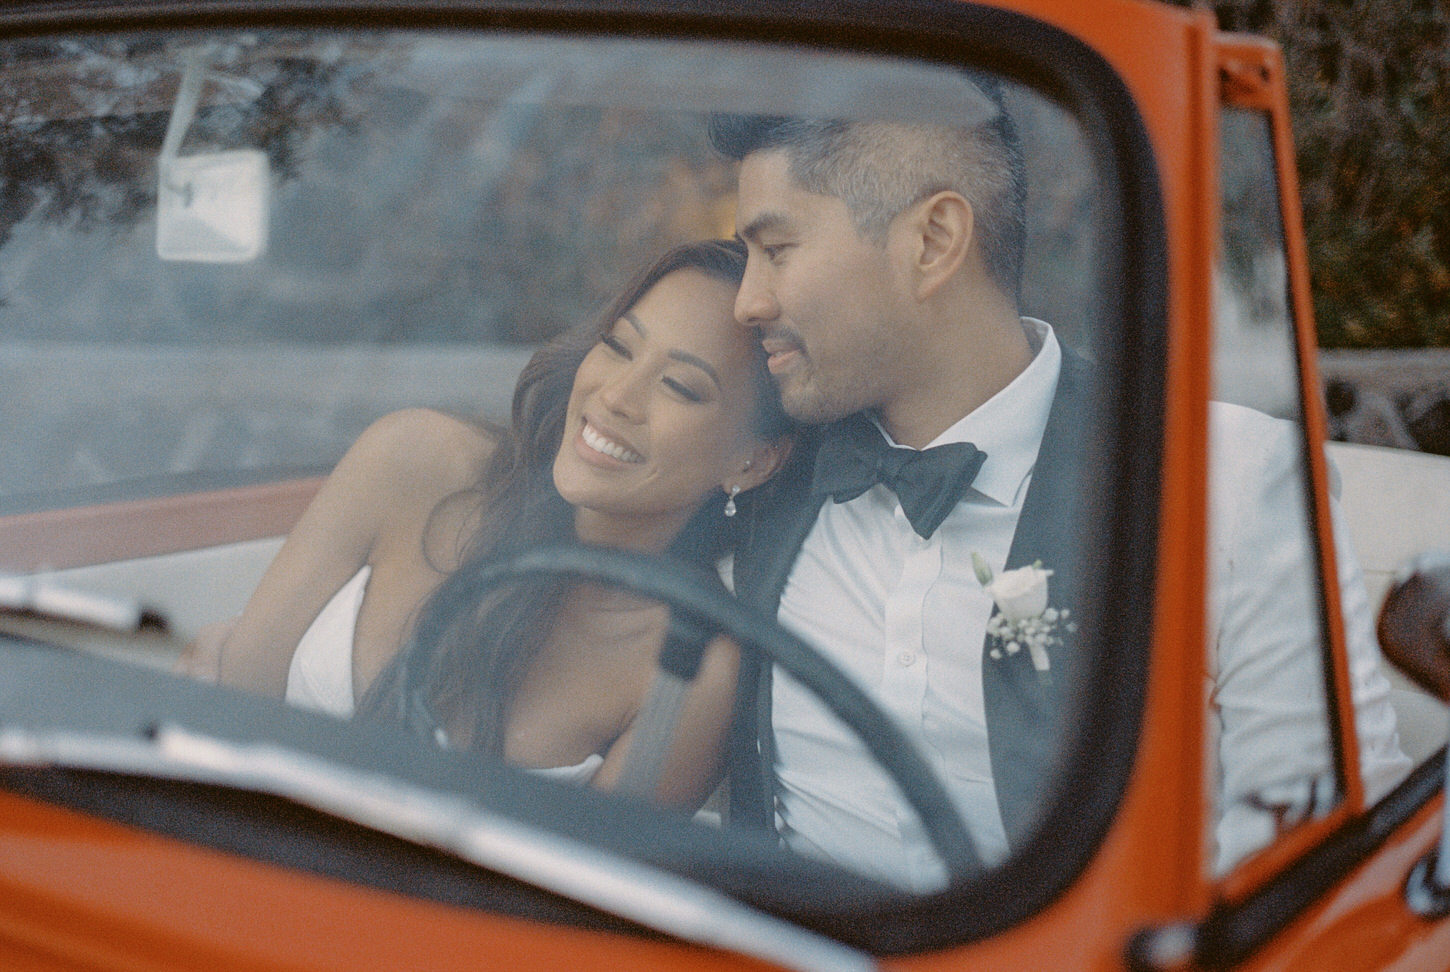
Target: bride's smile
[[605, 444]]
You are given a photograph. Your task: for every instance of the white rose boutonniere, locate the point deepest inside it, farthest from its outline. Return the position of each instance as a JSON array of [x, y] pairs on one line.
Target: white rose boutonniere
[[1024, 618]]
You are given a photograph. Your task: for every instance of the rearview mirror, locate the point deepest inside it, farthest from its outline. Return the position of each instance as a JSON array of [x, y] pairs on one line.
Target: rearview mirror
[[212, 207]]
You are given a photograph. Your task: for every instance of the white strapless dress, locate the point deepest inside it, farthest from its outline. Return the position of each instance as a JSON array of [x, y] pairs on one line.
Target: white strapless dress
[[320, 677]]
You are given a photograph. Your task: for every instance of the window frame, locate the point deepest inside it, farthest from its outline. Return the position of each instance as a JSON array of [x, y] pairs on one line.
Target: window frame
[[1251, 77]]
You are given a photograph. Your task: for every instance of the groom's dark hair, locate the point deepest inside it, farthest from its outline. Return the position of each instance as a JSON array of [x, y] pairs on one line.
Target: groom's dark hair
[[879, 169]]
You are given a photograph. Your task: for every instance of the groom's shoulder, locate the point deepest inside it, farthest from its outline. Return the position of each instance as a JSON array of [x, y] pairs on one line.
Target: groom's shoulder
[[1076, 373]]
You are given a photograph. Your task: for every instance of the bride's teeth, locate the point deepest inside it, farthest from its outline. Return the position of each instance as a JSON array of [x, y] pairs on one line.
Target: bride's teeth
[[599, 443]]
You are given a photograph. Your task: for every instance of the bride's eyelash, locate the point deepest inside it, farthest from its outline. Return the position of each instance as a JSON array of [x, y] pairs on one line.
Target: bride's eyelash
[[685, 390], [617, 346]]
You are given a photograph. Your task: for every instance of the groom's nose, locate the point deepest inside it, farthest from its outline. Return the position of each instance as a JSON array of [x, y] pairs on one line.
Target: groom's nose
[[755, 302]]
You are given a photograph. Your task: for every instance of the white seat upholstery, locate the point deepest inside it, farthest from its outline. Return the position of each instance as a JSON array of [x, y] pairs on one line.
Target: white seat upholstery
[[1397, 505]]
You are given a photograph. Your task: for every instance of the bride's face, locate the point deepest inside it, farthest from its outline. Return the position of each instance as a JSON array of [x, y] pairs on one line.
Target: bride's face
[[660, 413]]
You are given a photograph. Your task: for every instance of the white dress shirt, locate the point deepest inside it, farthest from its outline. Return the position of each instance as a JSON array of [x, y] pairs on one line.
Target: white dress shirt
[[906, 619], [1270, 754]]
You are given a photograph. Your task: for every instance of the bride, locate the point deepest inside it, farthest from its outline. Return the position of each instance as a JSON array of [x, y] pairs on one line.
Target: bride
[[645, 432]]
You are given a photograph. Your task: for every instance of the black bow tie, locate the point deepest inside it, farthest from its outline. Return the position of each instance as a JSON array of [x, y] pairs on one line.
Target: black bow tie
[[855, 456]]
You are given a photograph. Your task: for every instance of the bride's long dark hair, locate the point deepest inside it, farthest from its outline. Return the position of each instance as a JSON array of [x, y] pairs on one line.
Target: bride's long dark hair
[[478, 649]]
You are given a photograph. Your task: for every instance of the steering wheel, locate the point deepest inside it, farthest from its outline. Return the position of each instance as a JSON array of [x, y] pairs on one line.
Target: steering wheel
[[700, 609]]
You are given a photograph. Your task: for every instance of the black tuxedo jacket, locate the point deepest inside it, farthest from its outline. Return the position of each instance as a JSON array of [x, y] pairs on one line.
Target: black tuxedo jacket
[[1022, 707]]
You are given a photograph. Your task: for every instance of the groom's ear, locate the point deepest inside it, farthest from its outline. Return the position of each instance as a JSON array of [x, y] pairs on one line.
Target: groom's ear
[[939, 232]]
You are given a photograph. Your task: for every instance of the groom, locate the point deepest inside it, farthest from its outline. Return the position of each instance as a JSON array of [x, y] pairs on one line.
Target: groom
[[882, 277], [887, 303]]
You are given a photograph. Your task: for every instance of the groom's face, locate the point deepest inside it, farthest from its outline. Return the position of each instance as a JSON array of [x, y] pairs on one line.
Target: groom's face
[[824, 299]]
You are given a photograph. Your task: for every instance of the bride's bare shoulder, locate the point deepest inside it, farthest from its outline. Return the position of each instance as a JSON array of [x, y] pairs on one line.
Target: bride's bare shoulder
[[423, 454]]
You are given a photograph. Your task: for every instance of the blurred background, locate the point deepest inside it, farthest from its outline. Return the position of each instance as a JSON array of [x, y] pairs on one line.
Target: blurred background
[[437, 206], [424, 238], [1369, 88]]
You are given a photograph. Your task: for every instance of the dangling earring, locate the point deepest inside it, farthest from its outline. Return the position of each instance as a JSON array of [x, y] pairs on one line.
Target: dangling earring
[[730, 509]]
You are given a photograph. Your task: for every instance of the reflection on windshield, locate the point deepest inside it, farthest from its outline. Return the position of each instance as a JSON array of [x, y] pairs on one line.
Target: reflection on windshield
[[826, 343]]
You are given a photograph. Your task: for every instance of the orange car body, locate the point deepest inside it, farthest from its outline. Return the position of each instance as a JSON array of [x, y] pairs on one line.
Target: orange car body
[[80, 892]]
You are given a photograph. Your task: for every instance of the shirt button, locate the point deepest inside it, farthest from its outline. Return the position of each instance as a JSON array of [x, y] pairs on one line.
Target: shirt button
[[906, 658]]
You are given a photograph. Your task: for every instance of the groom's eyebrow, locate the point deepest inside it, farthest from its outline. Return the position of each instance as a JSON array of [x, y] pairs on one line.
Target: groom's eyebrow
[[763, 223]]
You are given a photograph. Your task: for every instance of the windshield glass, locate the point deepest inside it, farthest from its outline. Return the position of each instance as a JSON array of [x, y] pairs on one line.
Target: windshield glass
[[422, 302]]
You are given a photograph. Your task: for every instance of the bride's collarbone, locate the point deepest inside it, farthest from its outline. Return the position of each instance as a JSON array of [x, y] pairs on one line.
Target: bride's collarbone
[[631, 627]]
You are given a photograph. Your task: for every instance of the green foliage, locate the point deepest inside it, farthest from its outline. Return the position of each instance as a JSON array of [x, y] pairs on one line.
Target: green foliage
[[1369, 88]]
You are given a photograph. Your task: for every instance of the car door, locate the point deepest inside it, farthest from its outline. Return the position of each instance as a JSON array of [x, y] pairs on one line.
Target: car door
[[1325, 885]]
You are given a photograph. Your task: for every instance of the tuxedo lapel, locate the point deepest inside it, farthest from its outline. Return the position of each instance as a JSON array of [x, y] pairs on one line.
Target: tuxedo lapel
[[763, 562], [1023, 705]]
